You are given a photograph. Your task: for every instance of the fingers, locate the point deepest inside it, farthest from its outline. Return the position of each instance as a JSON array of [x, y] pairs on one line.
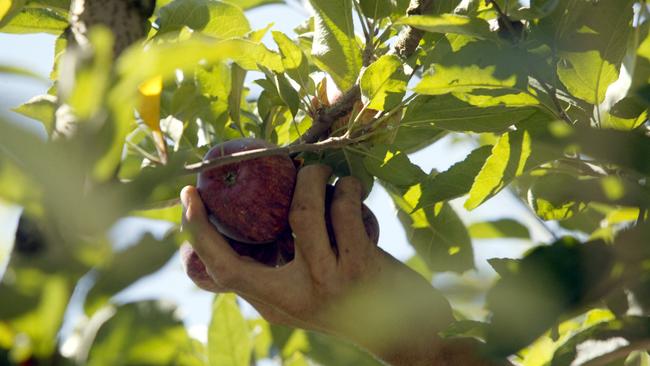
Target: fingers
[[351, 238], [228, 270], [307, 219]]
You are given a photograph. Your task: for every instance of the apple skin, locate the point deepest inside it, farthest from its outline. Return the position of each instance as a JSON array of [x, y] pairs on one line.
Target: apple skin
[[267, 254], [248, 201], [286, 244]]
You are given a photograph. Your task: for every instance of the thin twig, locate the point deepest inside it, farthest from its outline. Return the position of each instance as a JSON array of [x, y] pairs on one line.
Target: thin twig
[[606, 359], [331, 143]]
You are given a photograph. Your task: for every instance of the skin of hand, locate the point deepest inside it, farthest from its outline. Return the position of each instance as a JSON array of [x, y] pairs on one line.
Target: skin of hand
[[364, 295]]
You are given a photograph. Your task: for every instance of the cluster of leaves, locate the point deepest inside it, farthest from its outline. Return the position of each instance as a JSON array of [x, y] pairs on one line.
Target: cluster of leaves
[[554, 95]]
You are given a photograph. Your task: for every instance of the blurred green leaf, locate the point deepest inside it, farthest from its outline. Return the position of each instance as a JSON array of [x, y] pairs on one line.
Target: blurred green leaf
[[18, 71], [504, 228], [36, 20], [128, 266], [383, 83], [548, 282], [327, 350], [229, 340], [9, 9], [212, 18], [335, 48], [603, 338], [143, 333], [455, 181]]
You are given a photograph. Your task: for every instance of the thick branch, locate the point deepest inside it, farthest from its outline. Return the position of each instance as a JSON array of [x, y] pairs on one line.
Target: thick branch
[[404, 47]]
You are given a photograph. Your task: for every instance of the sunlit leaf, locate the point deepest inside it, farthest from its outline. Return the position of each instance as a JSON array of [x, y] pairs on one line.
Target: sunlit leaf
[[383, 83], [450, 23], [456, 181], [335, 48], [229, 340], [213, 18]]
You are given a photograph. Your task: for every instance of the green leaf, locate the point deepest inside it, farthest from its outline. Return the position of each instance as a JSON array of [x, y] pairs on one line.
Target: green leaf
[[514, 153], [128, 266], [504, 228], [250, 4], [383, 83], [560, 196], [450, 23], [9, 9], [414, 137], [36, 20], [437, 233], [335, 48], [495, 67], [451, 113], [40, 108], [548, 282], [295, 61], [143, 333], [612, 335], [209, 17], [18, 71], [327, 350], [392, 167], [592, 43], [229, 340], [376, 9], [456, 181], [38, 304]]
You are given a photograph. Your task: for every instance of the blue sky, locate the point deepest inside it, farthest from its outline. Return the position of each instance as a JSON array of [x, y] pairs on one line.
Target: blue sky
[[35, 52]]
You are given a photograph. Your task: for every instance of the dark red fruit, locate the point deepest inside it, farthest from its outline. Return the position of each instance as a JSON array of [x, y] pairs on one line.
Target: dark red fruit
[[248, 201]]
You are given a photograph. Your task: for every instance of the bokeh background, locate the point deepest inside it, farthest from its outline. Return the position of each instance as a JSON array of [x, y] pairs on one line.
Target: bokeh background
[[35, 52]]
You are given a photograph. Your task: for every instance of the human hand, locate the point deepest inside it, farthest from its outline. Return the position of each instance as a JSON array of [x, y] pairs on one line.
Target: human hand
[[363, 295]]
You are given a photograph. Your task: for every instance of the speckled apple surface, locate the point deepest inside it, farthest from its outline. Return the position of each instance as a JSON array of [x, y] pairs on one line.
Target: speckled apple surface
[[248, 201]]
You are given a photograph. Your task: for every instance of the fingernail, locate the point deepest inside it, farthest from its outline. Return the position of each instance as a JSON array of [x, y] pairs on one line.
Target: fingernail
[[185, 197]]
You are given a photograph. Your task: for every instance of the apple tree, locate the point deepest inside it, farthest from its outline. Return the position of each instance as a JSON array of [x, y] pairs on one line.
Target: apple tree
[[553, 95]]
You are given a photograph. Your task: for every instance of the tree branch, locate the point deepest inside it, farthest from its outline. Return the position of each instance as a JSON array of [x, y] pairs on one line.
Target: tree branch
[[606, 359], [331, 143], [406, 44]]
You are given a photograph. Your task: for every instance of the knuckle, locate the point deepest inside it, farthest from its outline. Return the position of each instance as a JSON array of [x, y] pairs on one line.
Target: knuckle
[[350, 185]]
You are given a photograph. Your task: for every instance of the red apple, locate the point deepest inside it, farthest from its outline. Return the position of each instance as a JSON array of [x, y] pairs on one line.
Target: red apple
[[248, 201]]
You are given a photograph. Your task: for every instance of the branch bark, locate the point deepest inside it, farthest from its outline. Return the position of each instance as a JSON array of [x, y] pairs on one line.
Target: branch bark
[[606, 359], [331, 143], [406, 44]]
